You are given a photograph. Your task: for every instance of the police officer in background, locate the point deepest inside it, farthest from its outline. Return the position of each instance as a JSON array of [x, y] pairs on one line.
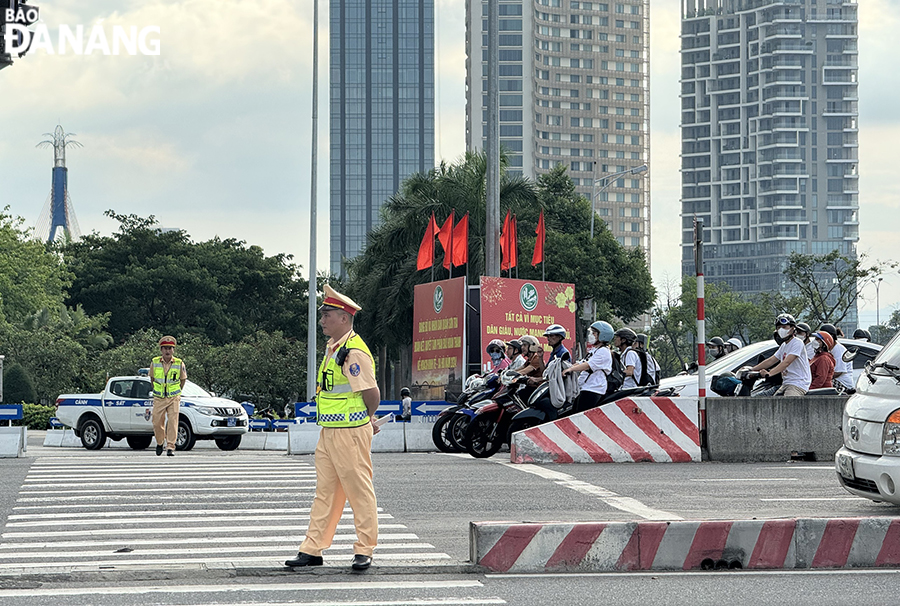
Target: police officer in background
[[347, 397], [168, 376]]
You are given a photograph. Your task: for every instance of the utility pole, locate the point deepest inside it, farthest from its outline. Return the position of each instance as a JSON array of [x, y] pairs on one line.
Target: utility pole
[[492, 146], [312, 324]]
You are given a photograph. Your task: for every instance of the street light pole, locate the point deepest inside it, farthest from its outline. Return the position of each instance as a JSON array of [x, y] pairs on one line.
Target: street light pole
[[1, 379], [607, 181], [877, 302]]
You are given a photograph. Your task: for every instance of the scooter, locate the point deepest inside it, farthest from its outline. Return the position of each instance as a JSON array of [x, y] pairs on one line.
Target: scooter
[[478, 390], [489, 430]]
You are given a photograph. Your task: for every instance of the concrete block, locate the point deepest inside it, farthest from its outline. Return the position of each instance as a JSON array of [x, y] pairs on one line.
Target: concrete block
[[13, 442], [275, 440], [255, 440], [391, 438], [769, 429], [302, 438], [418, 434], [54, 438]]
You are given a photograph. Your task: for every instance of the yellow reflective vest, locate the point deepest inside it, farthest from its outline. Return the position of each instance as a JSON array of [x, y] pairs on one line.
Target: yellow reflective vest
[[166, 385], [337, 405]]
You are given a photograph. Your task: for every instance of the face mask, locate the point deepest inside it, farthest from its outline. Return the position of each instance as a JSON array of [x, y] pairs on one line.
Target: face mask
[[591, 338], [495, 356], [817, 346], [784, 333], [714, 351]]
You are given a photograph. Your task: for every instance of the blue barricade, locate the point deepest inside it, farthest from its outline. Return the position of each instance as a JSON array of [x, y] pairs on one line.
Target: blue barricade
[[304, 410], [283, 424], [260, 425], [10, 412], [55, 423]]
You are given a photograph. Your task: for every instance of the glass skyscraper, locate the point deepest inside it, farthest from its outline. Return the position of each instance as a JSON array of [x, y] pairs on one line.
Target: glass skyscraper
[[382, 110], [769, 129]]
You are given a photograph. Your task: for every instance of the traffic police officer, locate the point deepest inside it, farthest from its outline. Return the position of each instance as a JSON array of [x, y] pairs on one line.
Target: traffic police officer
[[347, 397], [168, 375]]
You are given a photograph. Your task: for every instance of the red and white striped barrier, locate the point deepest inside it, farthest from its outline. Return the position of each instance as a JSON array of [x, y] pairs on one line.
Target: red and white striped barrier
[[661, 430], [683, 545]]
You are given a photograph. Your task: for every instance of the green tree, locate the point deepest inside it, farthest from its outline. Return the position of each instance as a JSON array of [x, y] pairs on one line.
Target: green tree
[[18, 387], [144, 277], [31, 276], [830, 283]]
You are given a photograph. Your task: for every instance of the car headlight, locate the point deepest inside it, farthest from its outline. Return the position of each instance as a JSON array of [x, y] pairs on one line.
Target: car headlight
[[206, 410], [891, 434]]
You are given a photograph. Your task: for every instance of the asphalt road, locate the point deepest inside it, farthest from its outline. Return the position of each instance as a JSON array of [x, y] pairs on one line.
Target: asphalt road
[[209, 527]]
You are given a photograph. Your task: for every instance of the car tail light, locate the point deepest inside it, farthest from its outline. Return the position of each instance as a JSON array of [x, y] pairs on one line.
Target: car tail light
[[58, 400], [891, 434]]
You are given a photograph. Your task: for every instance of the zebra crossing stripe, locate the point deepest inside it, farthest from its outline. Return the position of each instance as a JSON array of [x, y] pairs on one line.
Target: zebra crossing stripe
[[224, 541], [143, 520], [165, 513]]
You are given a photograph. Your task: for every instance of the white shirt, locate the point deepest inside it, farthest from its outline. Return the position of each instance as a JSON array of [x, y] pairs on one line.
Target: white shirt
[[811, 349], [600, 361], [652, 368], [845, 379], [797, 373], [632, 359], [517, 363]]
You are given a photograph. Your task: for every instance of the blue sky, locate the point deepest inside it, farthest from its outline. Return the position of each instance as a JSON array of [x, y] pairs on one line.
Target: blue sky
[[213, 135]]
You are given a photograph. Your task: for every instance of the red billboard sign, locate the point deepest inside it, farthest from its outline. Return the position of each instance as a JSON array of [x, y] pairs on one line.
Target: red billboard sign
[[438, 338], [512, 308]]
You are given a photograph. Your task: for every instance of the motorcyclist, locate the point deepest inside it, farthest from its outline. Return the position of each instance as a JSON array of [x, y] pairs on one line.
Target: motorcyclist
[[595, 368], [821, 367], [499, 361], [862, 335], [733, 344], [790, 360], [623, 339], [534, 357], [803, 332], [715, 347], [843, 371], [647, 359], [555, 335], [405, 404], [514, 353]]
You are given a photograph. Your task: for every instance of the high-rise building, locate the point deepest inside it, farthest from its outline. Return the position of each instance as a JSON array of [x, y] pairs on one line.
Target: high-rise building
[[769, 135], [574, 90], [382, 110]]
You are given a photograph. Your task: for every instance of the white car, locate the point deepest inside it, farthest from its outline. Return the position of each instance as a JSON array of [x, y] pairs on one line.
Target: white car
[[687, 385], [123, 410], [868, 465]]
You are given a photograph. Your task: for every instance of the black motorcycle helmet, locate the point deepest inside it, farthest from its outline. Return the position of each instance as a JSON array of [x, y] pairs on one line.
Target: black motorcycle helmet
[[626, 334], [716, 342], [863, 334], [830, 329], [404, 393], [804, 328]]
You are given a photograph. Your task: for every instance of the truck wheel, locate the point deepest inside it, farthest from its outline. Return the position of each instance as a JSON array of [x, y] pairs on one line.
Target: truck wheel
[[138, 442], [185, 438], [228, 442], [93, 436]]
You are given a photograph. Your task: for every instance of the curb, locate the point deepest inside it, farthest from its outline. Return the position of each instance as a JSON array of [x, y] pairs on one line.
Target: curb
[[658, 430], [801, 543]]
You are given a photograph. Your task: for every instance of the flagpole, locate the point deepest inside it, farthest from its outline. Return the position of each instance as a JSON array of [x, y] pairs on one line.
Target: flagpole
[[452, 221]]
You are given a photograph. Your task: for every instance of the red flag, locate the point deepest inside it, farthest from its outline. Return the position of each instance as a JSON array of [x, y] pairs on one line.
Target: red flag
[[541, 231], [426, 249], [461, 242], [504, 243], [513, 243], [445, 237]]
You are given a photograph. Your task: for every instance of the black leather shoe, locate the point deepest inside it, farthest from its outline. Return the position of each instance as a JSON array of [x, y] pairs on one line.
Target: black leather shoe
[[159, 450], [304, 559], [361, 562], [170, 453]]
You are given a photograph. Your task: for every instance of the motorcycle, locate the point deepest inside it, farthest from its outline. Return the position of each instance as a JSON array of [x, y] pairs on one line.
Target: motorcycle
[[489, 430], [539, 402], [750, 383], [477, 390]]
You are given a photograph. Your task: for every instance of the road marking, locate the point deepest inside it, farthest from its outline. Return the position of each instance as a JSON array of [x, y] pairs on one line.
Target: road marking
[[139, 505], [188, 551], [217, 490], [162, 499], [710, 480], [201, 530], [241, 560], [164, 512], [81, 477], [172, 483], [224, 588], [609, 497], [167, 522], [131, 542]]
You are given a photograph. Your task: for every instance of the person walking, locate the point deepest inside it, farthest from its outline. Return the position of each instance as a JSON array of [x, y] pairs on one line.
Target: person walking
[[167, 376], [347, 397]]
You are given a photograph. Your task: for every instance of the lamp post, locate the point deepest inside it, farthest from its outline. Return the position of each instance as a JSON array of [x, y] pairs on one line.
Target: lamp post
[[1, 379], [877, 302], [607, 181]]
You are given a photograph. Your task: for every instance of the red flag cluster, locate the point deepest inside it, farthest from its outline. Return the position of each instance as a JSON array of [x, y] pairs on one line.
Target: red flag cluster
[[509, 243], [454, 241], [541, 231]]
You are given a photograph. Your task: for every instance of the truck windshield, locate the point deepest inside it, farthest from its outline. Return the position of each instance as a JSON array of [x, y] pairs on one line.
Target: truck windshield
[[891, 352]]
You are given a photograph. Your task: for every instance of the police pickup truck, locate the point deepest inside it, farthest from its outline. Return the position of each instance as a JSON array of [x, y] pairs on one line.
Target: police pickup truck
[[123, 410]]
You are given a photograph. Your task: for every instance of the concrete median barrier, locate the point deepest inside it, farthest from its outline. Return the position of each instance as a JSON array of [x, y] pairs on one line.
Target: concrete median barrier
[[686, 545], [13, 442], [629, 430], [770, 429]]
